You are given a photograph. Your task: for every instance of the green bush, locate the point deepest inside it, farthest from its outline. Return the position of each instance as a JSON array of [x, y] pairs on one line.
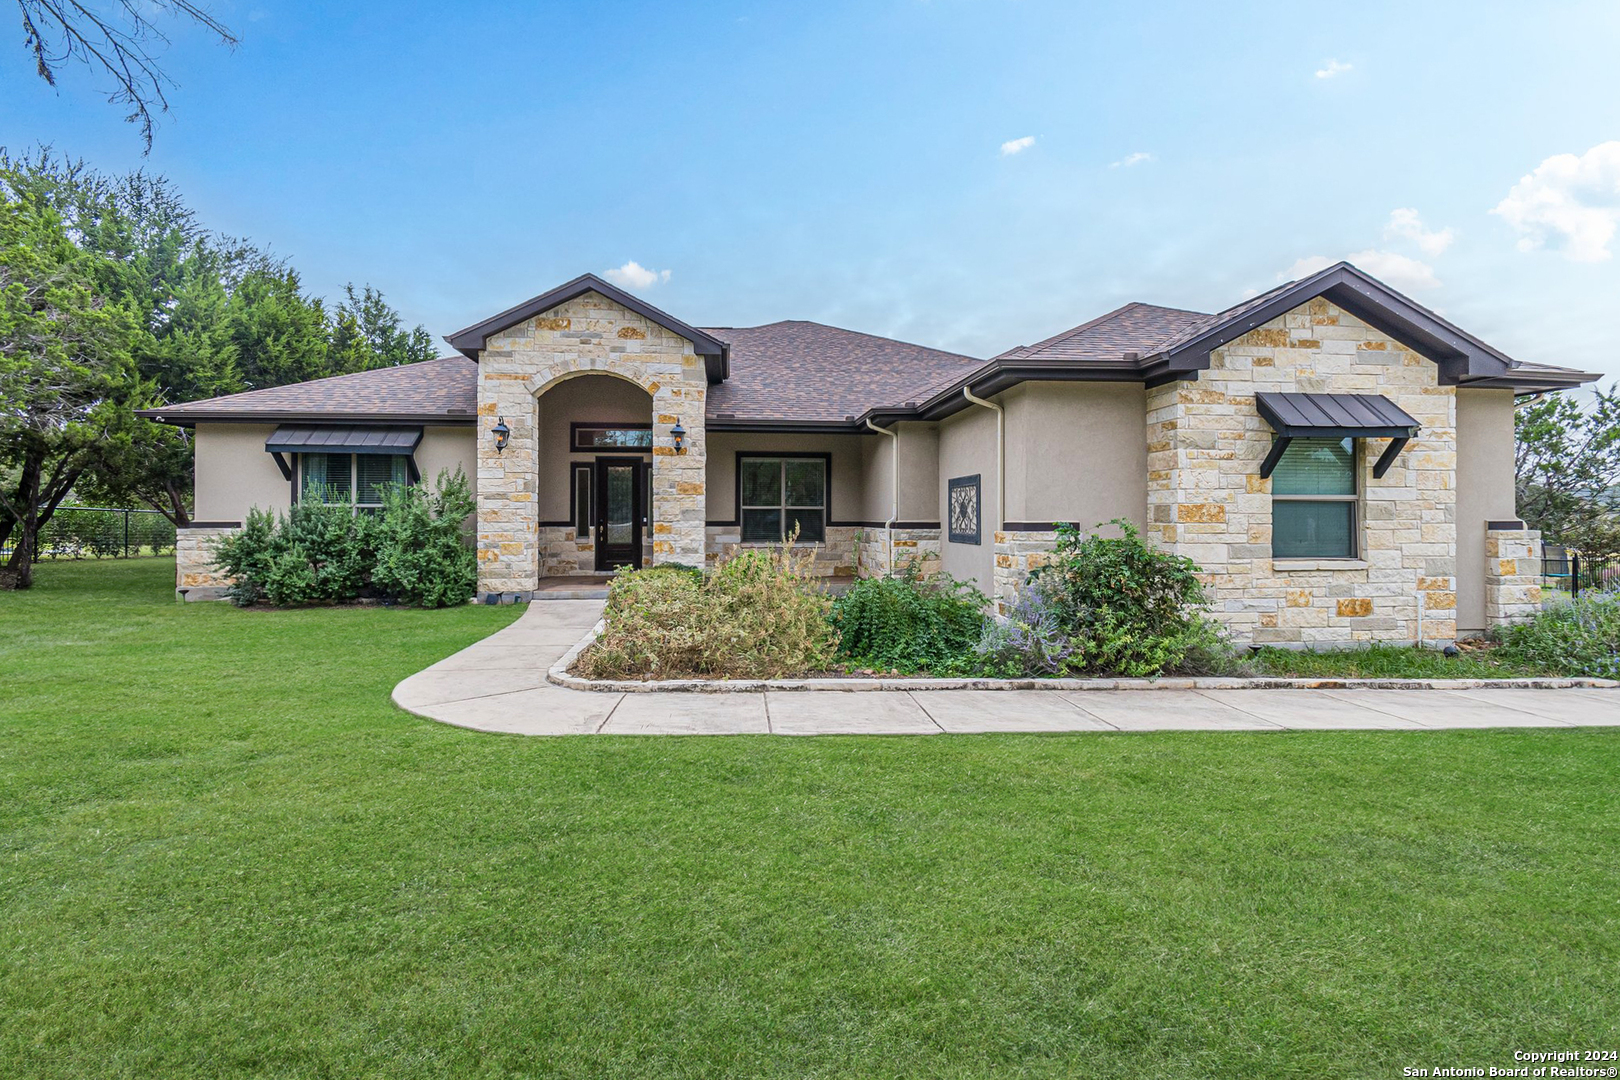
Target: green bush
[[910, 623], [1576, 637], [422, 556], [316, 552], [1128, 608], [414, 550], [759, 615]]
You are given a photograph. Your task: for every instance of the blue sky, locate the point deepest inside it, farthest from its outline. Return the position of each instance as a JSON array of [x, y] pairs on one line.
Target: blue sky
[[863, 164]]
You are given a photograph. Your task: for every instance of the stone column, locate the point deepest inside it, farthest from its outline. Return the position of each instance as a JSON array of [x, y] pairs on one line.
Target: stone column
[[508, 479], [679, 506], [1512, 573]]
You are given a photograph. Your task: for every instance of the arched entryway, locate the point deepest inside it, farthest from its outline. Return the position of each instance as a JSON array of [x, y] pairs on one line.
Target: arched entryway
[[594, 483]]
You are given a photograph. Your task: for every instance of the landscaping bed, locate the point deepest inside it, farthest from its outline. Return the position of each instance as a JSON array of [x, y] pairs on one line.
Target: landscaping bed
[[1105, 612]]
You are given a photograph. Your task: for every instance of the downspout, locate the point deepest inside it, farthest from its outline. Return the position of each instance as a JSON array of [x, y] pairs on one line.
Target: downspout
[[894, 514], [1001, 443]]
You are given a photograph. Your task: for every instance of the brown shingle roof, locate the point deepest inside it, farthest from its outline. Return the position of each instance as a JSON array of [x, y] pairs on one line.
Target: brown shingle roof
[[808, 372], [445, 390], [1138, 328]]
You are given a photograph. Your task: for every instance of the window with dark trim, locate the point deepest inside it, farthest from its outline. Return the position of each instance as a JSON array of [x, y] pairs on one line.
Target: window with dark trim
[[583, 522], [589, 438], [1313, 501], [358, 479], [962, 509], [776, 494]]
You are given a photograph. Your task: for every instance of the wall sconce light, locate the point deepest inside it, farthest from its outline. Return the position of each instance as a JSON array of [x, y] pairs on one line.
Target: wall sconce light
[[502, 434], [680, 437]]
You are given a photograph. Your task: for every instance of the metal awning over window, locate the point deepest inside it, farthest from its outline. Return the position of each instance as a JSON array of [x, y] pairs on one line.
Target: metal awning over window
[[342, 439], [331, 439], [1335, 416]]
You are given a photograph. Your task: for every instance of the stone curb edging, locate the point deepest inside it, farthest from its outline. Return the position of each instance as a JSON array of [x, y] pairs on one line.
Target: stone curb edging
[[558, 674]]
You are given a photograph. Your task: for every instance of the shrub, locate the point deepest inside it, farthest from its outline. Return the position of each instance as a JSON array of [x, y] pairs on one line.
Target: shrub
[[414, 550], [422, 555], [1031, 640], [1576, 637], [910, 623], [1128, 608], [759, 615]]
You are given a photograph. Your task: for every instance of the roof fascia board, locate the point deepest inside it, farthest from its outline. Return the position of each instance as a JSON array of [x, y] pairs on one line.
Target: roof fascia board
[[470, 341], [1458, 353], [175, 418]]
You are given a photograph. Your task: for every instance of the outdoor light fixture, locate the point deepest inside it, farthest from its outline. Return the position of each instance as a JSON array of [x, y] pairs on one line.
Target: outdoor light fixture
[[502, 434], [680, 436]]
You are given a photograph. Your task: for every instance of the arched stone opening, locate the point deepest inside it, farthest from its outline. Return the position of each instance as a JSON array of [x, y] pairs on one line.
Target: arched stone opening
[[594, 434]]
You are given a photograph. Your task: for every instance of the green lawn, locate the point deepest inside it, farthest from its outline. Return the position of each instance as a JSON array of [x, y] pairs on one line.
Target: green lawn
[[226, 854]]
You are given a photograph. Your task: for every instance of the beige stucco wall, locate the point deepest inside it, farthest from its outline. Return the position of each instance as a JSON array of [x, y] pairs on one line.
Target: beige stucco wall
[[587, 399], [1076, 451], [919, 474], [846, 478], [234, 474], [1485, 472], [447, 448], [967, 445]]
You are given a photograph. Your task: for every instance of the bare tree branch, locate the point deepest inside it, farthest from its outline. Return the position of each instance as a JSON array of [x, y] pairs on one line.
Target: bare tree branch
[[59, 31]]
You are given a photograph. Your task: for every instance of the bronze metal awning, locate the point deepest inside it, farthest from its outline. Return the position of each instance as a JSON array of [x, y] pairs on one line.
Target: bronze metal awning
[[1335, 416], [343, 439]]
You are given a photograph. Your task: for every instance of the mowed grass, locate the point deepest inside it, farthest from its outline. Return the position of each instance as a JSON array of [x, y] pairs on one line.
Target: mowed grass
[[224, 853]]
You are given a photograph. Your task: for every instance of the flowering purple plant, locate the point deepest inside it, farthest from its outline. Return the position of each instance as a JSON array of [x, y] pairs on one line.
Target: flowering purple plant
[[1031, 639]]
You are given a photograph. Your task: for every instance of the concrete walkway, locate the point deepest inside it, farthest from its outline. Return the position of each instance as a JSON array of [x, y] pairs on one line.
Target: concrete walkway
[[499, 684]]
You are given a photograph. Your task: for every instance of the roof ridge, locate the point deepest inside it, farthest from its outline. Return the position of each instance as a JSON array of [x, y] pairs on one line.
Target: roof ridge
[[856, 333]]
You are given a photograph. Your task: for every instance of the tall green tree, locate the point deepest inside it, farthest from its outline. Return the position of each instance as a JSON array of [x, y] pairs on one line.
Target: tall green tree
[[1568, 469], [367, 333], [66, 375]]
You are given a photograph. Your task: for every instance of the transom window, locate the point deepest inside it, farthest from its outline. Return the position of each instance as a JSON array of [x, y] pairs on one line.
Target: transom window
[[778, 494], [1313, 501], [591, 437], [350, 478]]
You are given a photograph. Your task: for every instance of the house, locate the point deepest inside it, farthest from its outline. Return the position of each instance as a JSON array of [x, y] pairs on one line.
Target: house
[[1337, 458]]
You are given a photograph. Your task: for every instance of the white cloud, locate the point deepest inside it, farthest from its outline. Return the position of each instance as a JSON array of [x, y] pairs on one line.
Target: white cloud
[[1407, 224], [1017, 146], [1332, 68], [1400, 271], [1305, 267], [632, 275], [1568, 198], [1141, 157], [1397, 271]]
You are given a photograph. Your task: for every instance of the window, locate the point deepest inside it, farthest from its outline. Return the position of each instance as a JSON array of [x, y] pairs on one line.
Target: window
[[582, 501], [1313, 500], [775, 494], [351, 478], [592, 437]]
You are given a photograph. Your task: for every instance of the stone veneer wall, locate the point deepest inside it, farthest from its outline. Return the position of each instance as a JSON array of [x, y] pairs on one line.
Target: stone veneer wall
[[911, 546], [1512, 575], [587, 334], [194, 569], [1017, 553], [1206, 499], [564, 554], [835, 557]]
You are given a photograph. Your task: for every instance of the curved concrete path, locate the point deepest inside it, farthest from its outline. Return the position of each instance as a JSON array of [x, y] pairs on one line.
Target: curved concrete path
[[499, 684]]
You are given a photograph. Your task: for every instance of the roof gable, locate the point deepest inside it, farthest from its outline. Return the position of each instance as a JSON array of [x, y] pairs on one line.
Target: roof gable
[[471, 340], [1460, 355]]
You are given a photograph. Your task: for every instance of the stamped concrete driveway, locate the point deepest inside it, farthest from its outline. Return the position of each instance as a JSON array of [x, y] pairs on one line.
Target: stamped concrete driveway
[[499, 684]]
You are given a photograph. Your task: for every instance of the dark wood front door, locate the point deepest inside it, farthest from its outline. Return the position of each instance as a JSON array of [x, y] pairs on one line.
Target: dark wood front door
[[620, 513]]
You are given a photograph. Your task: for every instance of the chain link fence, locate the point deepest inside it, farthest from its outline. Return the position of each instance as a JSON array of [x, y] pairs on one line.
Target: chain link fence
[[100, 532]]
